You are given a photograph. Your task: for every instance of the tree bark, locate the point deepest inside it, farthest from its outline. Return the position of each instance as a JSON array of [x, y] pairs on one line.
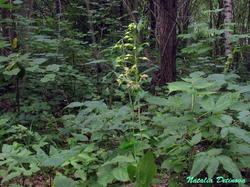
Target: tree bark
[[166, 27], [227, 20], [184, 14], [7, 28], [220, 49]]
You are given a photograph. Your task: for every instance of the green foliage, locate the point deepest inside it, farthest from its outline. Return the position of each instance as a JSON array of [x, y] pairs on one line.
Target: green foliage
[[62, 181], [146, 170], [77, 106]]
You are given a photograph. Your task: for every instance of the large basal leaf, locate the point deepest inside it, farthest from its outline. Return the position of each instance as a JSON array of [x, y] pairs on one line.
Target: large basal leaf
[[62, 181], [199, 164], [146, 170], [230, 166], [131, 169], [120, 174], [212, 167]]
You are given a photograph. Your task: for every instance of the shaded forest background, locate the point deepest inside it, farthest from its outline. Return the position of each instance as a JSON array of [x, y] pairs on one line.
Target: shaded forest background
[[124, 92]]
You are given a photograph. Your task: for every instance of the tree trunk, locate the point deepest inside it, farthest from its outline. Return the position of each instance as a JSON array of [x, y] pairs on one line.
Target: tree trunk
[[220, 49], [7, 28], [132, 7], [248, 39], [166, 27], [24, 34], [227, 20], [184, 14]]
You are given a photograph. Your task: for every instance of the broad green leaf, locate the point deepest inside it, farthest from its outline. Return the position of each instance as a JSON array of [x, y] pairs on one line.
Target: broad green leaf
[[128, 144], [167, 141], [131, 169], [199, 164], [197, 74], [196, 139], [35, 68], [62, 181], [244, 116], [11, 176], [80, 137], [212, 167], [48, 77], [243, 149], [221, 120], [53, 161], [179, 86], [120, 174], [208, 104], [120, 159], [81, 174], [157, 101], [74, 105], [7, 148], [2, 44], [146, 170], [224, 102], [53, 67], [214, 152], [226, 119], [6, 6], [12, 72], [224, 132], [38, 61], [3, 1], [245, 161], [3, 121], [240, 133], [230, 166], [104, 175], [101, 106]]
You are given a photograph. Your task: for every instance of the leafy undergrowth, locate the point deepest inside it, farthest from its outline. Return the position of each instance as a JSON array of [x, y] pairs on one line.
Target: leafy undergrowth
[[196, 127]]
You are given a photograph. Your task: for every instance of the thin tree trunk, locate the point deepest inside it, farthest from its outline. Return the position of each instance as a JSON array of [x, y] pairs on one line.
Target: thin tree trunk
[[248, 39], [93, 37], [227, 20], [219, 23], [131, 7], [24, 28], [184, 14], [166, 26], [7, 28]]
